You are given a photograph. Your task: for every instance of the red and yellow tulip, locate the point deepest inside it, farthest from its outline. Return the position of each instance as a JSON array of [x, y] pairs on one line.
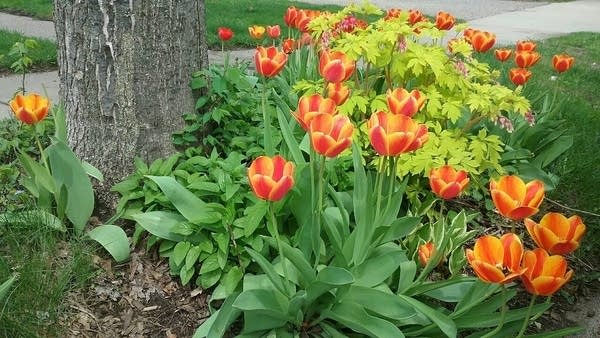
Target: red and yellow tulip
[[392, 135], [482, 41], [335, 66], [271, 177], [502, 54], [425, 252], [556, 233], [331, 134], [544, 274], [496, 260], [514, 199], [256, 32], [446, 182], [526, 59], [519, 76], [338, 92], [290, 16], [415, 16], [224, 33], [401, 101], [444, 20], [269, 61], [304, 17], [562, 62], [30, 108], [525, 46], [311, 106], [288, 46], [274, 31]]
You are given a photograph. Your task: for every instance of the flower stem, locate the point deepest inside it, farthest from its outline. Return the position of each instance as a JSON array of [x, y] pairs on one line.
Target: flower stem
[[268, 140], [319, 210], [275, 233], [502, 315], [379, 182], [39, 144], [526, 320]]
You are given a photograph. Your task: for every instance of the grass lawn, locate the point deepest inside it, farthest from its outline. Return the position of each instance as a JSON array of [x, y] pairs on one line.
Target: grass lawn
[[41, 9], [43, 57]]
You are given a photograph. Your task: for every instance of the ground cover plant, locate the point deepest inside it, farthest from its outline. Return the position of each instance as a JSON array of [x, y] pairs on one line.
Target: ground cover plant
[[43, 54]]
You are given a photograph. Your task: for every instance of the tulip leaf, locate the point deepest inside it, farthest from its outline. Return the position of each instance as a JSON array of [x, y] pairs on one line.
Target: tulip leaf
[[380, 302], [160, 224], [375, 270], [113, 239], [362, 209], [296, 257], [442, 321], [289, 138], [355, 317], [269, 270], [567, 332], [481, 320], [478, 292], [218, 323]]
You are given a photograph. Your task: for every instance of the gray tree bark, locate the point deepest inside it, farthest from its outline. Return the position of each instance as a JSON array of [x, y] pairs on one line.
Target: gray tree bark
[[124, 68]]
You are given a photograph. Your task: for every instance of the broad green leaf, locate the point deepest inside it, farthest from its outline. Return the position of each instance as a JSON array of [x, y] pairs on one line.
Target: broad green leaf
[[408, 271], [269, 270], [253, 216], [355, 317], [364, 226], [400, 228], [295, 256], [38, 173], [481, 320], [451, 293], [567, 332], [382, 303], [375, 270], [479, 292], [113, 239], [92, 171], [180, 252], [231, 279], [264, 300], [289, 138], [67, 170], [60, 123], [192, 256], [335, 276], [160, 223], [209, 279], [191, 207], [186, 274], [211, 263], [445, 324], [218, 323]]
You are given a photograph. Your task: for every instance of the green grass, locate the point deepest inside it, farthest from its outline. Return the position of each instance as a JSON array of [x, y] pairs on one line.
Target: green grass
[[44, 56], [40, 9], [49, 267]]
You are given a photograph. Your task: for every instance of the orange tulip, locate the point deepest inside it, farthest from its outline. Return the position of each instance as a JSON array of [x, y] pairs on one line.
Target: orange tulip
[[304, 17], [401, 101], [562, 62], [338, 92], [331, 134], [335, 66], [496, 260], [426, 251], [444, 21], [311, 106], [446, 182], [271, 177], [30, 108], [526, 59], [468, 33], [256, 32], [502, 54], [415, 16], [274, 31], [525, 46], [269, 61], [392, 135], [225, 33], [290, 17], [544, 274], [556, 233], [482, 41], [519, 76], [514, 199], [392, 13], [288, 46]]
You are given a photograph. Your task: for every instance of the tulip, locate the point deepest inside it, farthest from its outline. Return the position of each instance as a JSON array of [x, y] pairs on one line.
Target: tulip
[[311, 106], [392, 13], [556, 233], [401, 101], [269, 61], [30, 108], [415, 16], [514, 199], [444, 21], [519, 76], [338, 92], [392, 135], [502, 54], [525, 46], [446, 182], [426, 251], [331, 134], [304, 17], [335, 66], [225, 33], [496, 260], [288, 46], [562, 62], [482, 41], [544, 274], [526, 59], [274, 31], [271, 177], [256, 32], [468, 33], [290, 17]]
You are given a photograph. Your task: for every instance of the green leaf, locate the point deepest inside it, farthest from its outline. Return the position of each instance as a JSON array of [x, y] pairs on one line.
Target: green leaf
[[208, 279], [294, 255], [30, 217], [289, 138], [192, 256], [445, 324], [180, 252], [364, 226], [567, 332], [408, 271], [375, 270], [382, 303], [38, 173], [335, 276], [92, 171], [186, 274], [191, 207], [254, 214], [67, 170], [355, 317], [218, 323], [269, 270], [452, 293], [264, 300], [60, 123], [231, 279], [479, 291], [400, 228], [113, 239], [6, 285], [160, 224], [481, 320], [211, 263]]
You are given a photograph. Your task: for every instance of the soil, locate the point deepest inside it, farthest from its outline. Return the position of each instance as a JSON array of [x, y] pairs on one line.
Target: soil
[[136, 299]]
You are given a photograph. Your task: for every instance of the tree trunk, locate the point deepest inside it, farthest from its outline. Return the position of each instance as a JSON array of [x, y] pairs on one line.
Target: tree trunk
[[124, 69]]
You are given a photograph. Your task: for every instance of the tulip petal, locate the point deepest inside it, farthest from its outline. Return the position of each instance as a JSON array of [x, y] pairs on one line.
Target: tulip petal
[[489, 249], [281, 188], [487, 272], [450, 191], [503, 202], [547, 285], [522, 212], [262, 185]]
